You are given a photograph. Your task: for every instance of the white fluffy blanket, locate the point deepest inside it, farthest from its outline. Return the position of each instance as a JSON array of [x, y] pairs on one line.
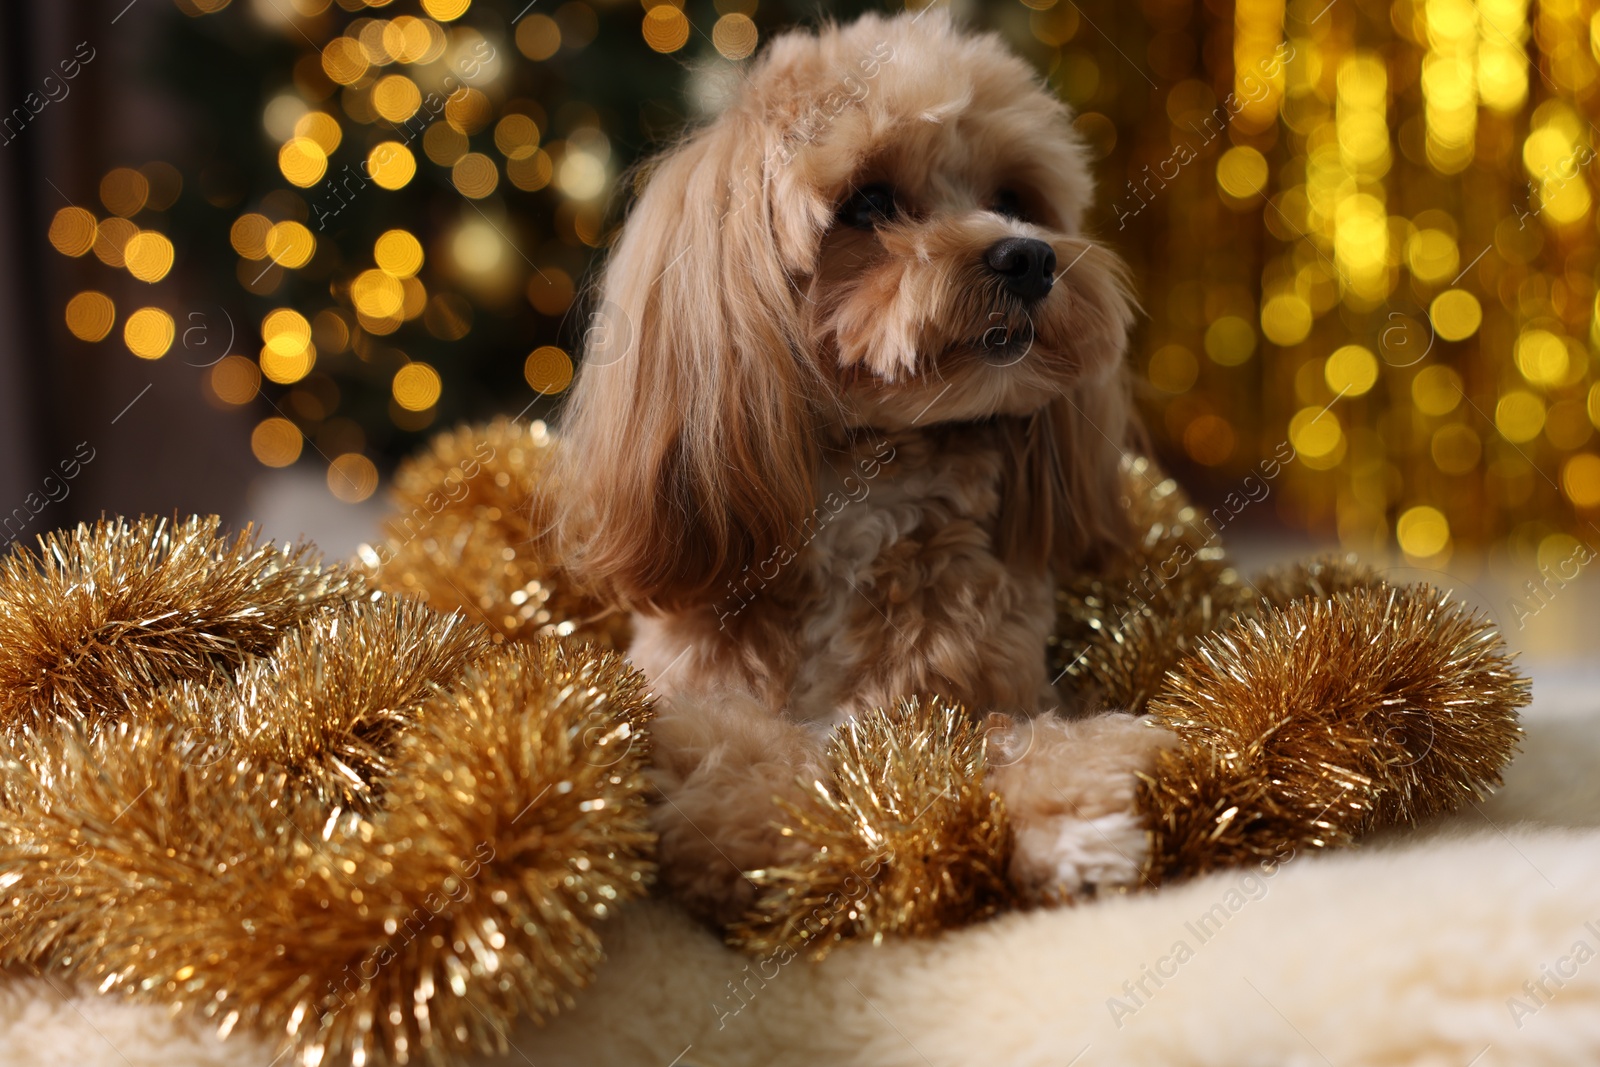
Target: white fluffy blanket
[[1474, 943]]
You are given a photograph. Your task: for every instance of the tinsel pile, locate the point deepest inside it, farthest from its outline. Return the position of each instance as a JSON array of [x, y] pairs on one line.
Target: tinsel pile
[[241, 783], [1314, 705], [905, 840], [378, 811]]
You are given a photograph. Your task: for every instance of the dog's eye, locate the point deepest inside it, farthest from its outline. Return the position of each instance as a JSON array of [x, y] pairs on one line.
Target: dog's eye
[[868, 206], [1009, 204]]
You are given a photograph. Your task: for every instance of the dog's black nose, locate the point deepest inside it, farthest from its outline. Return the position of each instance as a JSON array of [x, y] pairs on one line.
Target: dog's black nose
[[1026, 266]]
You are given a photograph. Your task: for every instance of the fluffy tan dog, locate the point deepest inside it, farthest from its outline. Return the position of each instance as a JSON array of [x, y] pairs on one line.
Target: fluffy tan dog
[[853, 399]]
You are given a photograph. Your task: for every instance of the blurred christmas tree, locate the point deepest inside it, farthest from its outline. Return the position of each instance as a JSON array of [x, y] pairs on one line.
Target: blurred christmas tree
[[397, 202]]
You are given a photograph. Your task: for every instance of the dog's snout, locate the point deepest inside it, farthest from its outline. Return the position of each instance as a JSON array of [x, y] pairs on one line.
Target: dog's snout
[[1027, 266]]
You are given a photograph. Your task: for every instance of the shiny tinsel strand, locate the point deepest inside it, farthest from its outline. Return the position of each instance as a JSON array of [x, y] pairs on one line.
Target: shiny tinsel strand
[[1119, 630], [98, 615], [1316, 723], [1320, 578], [905, 838], [344, 751], [516, 819], [470, 532]]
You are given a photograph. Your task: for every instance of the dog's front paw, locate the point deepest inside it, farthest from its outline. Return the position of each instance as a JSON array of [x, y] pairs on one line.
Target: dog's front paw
[[1063, 857], [1071, 791]]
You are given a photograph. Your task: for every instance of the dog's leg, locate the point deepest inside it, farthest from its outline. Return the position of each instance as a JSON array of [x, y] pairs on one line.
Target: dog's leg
[[1070, 788], [719, 762]]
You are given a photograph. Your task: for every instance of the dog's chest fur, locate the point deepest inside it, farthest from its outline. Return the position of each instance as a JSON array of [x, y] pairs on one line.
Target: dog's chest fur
[[893, 589]]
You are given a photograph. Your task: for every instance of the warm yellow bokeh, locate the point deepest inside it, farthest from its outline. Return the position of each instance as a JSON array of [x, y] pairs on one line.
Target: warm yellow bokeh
[[377, 294], [148, 256], [1580, 480], [1455, 314], [1423, 532], [538, 37], [1519, 416], [1230, 340], [416, 387], [665, 28], [1173, 369], [73, 231], [124, 191], [391, 164], [1351, 371], [248, 235], [548, 370], [321, 128], [276, 442], [1541, 356], [90, 315], [148, 333], [396, 97], [446, 10], [734, 35], [290, 244], [516, 136], [302, 161], [1286, 319], [475, 175], [352, 477], [1436, 390], [399, 253], [235, 380]]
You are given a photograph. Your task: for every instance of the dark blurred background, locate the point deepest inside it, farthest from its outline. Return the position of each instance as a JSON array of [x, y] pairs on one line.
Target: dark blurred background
[[254, 252]]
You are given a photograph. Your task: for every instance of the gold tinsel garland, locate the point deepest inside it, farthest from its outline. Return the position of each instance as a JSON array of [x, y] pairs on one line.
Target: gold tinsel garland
[[905, 838], [343, 753], [384, 838], [1120, 629], [235, 782], [99, 614], [472, 532], [1324, 720]]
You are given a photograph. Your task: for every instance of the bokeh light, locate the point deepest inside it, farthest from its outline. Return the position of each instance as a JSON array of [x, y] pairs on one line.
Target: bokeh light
[[1423, 532], [391, 164], [352, 477], [235, 380], [148, 333], [475, 175], [73, 231], [734, 35], [111, 239], [248, 235], [1351, 371], [290, 244], [123, 191], [276, 442], [148, 256], [90, 315], [302, 161], [665, 28], [548, 370], [416, 387], [399, 253], [538, 37]]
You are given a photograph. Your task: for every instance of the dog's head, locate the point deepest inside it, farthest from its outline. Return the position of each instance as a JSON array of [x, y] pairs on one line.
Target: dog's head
[[881, 232]]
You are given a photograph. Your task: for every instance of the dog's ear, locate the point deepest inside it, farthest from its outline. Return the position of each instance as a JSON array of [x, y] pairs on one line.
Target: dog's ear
[[689, 442], [1062, 507]]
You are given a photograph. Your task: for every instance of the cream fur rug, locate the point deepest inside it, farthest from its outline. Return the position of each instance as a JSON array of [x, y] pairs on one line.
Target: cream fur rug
[[1473, 944]]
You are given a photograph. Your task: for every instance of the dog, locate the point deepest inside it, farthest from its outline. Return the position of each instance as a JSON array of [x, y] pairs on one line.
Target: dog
[[852, 401]]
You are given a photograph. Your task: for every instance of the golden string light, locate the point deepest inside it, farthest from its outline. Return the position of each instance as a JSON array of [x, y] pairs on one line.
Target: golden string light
[[1404, 291]]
